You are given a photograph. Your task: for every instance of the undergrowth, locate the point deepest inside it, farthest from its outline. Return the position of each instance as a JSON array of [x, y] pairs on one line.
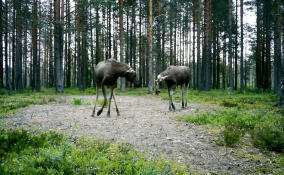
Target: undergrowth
[[52, 153]]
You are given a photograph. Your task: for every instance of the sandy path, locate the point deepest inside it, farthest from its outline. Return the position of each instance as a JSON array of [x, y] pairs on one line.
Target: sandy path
[[144, 122]]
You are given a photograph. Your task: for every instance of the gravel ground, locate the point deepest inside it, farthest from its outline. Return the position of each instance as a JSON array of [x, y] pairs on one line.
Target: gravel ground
[[144, 121]]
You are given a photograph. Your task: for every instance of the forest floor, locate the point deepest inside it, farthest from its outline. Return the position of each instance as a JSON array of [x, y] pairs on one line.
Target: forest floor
[[146, 123]]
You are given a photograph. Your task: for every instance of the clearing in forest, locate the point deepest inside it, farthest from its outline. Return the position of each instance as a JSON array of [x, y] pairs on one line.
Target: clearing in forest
[[144, 122]]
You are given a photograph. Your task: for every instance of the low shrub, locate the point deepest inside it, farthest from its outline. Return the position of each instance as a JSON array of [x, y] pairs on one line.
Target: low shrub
[[52, 153], [77, 101], [269, 133], [266, 130]]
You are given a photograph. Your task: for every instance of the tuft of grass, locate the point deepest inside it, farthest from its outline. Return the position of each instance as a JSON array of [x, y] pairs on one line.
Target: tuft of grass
[[101, 102], [52, 153], [77, 101]]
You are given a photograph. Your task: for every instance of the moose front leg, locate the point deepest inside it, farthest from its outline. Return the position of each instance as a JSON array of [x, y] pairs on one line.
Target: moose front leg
[[171, 92], [97, 96], [110, 97], [186, 95], [105, 99]]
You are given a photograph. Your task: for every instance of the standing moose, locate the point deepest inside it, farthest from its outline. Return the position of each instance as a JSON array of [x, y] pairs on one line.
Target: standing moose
[[172, 77], [106, 74]]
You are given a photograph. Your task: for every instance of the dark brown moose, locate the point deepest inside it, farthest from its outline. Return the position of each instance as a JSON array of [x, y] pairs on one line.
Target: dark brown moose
[[172, 77], [106, 75]]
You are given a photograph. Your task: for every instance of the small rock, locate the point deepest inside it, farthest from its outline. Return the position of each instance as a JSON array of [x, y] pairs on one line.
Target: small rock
[[168, 138]]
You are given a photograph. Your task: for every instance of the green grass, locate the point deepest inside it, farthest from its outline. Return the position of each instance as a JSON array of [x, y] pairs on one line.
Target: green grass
[[53, 153], [10, 104], [77, 101]]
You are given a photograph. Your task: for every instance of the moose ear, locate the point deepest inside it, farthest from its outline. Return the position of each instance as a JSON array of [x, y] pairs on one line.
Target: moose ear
[[130, 71], [163, 78]]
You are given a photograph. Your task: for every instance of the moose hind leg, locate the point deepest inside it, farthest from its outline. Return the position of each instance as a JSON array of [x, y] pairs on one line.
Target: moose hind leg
[[170, 99], [105, 99], [172, 93], [182, 96], [186, 95]]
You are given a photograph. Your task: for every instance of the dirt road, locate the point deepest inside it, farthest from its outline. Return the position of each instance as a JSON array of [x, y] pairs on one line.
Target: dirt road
[[144, 122]]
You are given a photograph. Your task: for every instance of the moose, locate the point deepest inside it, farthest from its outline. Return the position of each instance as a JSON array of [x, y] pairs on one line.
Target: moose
[[106, 75], [172, 77]]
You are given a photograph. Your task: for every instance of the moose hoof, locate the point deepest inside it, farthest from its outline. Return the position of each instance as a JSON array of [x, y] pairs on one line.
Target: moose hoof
[[108, 115], [99, 112]]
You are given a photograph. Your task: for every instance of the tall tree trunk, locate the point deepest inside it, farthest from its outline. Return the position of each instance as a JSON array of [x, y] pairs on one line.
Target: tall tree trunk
[[140, 46], [34, 45], [242, 46], [171, 34], [236, 48], [193, 48], [1, 45], [121, 42], [7, 68], [51, 58], [84, 45], [258, 48], [199, 68], [98, 51], [58, 46], [38, 83], [109, 29], [207, 46], [214, 57], [19, 80], [92, 48], [68, 74], [218, 60], [231, 79], [268, 18], [13, 65], [150, 85], [25, 49], [224, 67], [159, 54], [277, 47], [133, 32]]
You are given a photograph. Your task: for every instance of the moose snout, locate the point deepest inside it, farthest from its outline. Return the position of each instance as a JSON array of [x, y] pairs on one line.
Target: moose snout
[[158, 91]]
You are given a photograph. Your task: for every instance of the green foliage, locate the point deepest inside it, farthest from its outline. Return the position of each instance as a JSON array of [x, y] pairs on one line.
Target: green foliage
[[9, 104], [77, 101], [101, 102], [269, 133], [266, 130], [52, 153]]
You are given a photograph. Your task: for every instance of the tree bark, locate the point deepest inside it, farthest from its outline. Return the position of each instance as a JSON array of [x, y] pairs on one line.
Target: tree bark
[[121, 42], [19, 80], [231, 79], [34, 45], [1, 45], [7, 68], [242, 47], [199, 66], [150, 85], [277, 47], [236, 48], [58, 43]]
